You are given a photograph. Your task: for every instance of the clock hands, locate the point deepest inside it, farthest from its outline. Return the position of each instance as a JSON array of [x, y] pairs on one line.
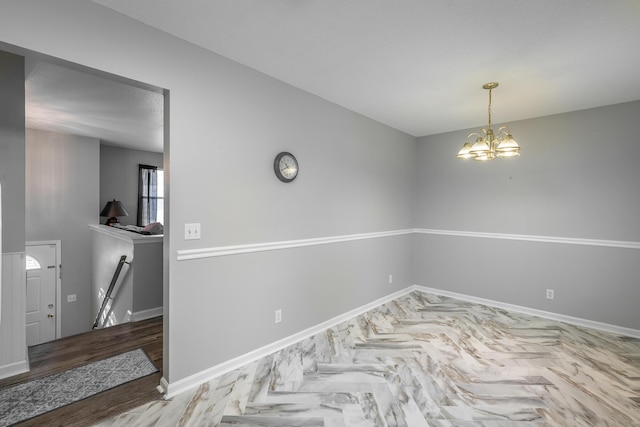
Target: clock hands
[[288, 166]]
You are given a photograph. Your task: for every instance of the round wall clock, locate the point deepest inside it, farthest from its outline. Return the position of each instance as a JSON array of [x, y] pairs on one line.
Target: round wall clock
[[285, 166]]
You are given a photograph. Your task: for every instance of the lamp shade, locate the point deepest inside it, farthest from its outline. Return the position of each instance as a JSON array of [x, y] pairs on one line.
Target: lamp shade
[[508, 144], [113, 210], [480, 147], [464, 151]]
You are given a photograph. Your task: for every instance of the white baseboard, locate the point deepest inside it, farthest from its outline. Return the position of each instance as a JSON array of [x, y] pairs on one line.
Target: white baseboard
[[620, 330], [146, 314], [172, 389], [14, 369]]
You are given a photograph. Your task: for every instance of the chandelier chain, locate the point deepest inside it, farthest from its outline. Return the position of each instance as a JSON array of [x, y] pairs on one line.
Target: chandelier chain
[[489, 109]]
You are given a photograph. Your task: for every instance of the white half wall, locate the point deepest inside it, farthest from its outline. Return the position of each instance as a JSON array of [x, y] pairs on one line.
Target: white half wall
[[13, 348]]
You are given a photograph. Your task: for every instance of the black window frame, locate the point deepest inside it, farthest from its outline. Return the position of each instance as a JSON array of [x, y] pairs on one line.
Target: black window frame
[[148, 195]]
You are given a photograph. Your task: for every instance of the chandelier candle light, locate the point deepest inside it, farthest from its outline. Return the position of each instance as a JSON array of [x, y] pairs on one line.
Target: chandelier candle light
[[491, 145]]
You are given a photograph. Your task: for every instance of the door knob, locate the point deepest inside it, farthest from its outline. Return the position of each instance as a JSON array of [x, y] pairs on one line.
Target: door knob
[[50, 316]]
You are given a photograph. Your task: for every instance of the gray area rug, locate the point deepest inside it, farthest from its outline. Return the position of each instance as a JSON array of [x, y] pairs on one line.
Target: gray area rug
[[33, 398]]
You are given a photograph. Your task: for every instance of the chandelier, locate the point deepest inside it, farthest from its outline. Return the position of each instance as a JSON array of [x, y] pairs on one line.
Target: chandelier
[[489, 145]]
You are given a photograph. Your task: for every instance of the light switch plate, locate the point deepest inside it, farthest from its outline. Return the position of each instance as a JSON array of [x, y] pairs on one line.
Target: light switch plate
[[192, 231]]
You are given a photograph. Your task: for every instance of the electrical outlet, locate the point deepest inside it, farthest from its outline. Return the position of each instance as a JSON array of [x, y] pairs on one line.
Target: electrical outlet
[[278, 315], [71, 298], [192, 231], [391, 278], [550, 294]]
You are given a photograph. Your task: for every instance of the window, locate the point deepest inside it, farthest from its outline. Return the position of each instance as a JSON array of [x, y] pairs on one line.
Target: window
[[150, 195], [32, 263]]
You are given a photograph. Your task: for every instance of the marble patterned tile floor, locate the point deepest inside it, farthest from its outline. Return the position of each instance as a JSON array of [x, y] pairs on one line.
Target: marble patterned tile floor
[[423, 360]]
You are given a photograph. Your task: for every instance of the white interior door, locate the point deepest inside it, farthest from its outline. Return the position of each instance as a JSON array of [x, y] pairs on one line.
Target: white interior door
[[41, 293]]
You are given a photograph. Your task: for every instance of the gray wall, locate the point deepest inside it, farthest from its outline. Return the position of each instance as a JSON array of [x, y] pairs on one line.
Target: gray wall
[[227, 124], [353, 179], [577, 178], [12, 344], [119, 177], [12, 151], [61, 201]]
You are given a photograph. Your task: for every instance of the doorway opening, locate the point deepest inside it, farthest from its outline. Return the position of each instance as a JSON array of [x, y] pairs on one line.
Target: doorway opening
[[70, 293]]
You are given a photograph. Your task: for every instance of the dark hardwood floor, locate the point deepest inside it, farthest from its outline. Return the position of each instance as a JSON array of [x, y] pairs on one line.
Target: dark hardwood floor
[[66, 353]]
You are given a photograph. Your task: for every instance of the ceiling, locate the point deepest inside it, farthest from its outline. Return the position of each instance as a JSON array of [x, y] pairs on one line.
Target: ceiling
[[415, 65], [67, 100], [419, 65]]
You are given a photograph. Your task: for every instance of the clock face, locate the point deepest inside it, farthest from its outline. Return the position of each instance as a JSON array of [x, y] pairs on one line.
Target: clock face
[[285, 166]]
